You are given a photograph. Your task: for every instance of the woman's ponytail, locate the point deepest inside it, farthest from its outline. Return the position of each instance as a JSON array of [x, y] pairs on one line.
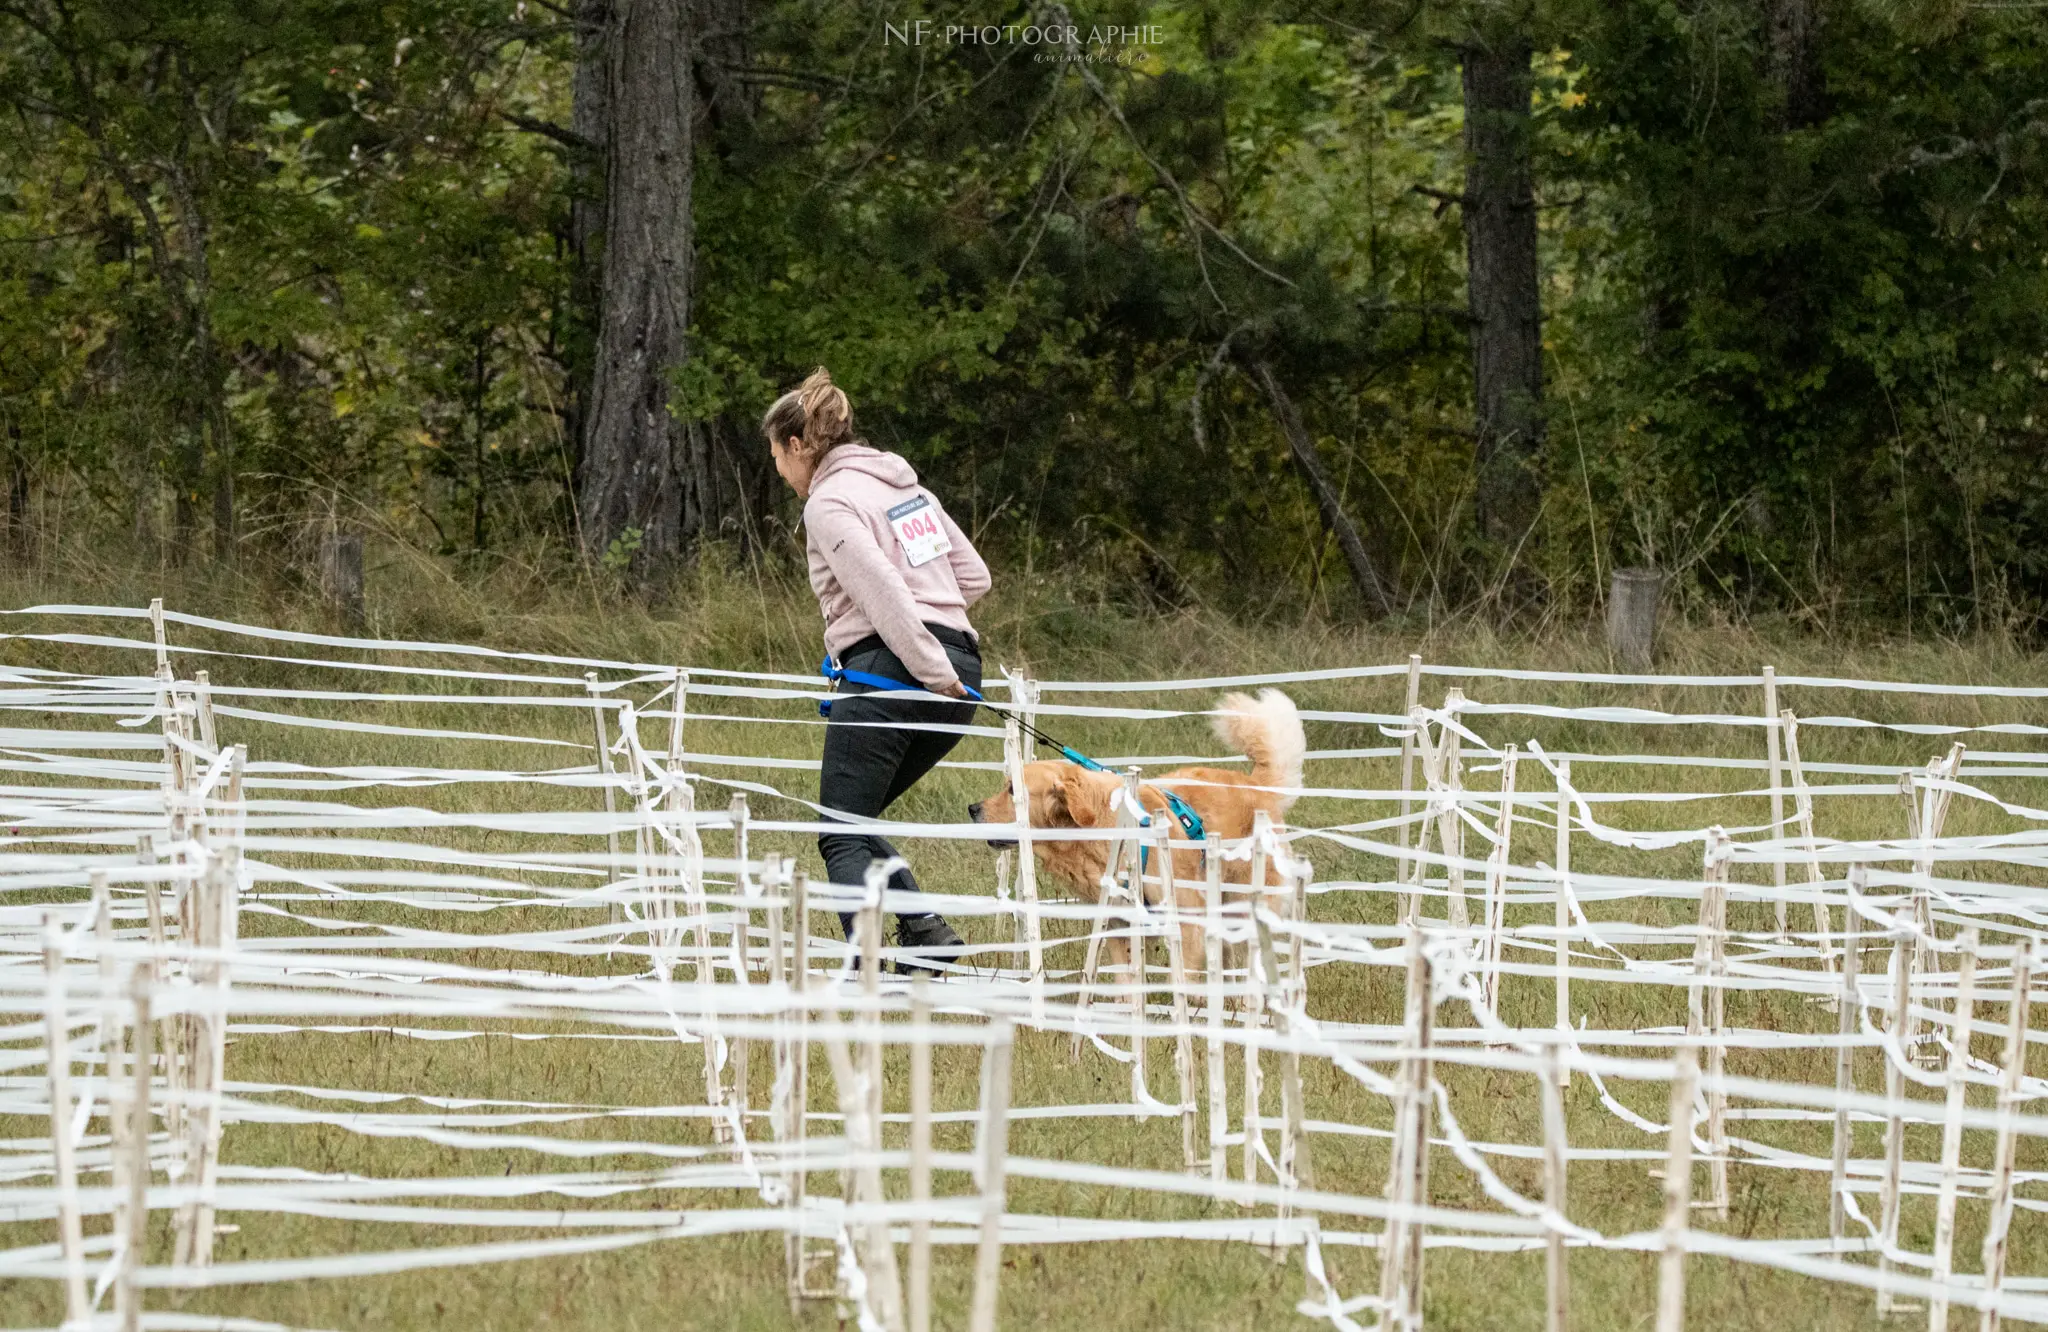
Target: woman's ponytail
[[816, 411]]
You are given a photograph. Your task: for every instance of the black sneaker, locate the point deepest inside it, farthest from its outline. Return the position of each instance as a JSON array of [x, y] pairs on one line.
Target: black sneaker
[[929, 935]]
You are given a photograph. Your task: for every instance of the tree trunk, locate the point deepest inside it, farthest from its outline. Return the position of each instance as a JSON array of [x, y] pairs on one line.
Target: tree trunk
[[1794, 56], [642, 470], [1380, 593], [1506, 304], [642, 482], [589, 113]]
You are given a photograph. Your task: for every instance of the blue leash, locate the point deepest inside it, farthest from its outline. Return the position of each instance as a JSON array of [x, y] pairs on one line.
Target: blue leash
[[834, 672], [1183, 813]]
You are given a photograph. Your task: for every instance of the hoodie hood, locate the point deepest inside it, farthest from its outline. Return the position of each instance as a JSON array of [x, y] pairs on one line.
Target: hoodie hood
[[867, 461]]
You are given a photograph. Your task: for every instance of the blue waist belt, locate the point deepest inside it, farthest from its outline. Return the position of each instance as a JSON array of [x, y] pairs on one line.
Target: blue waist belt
[[834, 672]]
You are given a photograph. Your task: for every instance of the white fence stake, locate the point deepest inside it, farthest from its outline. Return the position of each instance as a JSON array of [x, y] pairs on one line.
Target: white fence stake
[[1772, 741], [1677, 1195], [995, 1146], [1564, 908], [1410, 901], [57, 1038], [1952, 1128], [1999, 1227]]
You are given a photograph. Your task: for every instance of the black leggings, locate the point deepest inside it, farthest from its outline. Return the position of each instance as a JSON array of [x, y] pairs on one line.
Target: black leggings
[[867, 766]]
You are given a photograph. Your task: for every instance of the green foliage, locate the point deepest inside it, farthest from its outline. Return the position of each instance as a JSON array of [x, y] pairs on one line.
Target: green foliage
[[318, 247]]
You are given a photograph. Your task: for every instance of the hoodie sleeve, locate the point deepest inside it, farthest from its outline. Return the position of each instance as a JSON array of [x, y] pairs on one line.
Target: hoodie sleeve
[[969, 572], [864, 570]]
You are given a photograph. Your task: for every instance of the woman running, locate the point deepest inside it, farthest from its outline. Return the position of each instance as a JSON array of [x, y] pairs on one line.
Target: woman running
[[894, 577]]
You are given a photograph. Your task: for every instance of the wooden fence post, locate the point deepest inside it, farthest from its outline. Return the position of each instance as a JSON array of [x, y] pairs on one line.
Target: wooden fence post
[[1849, 1010], [1410, 901], [1952, 1129], [340, 571], [1632, 597], [1895, 1122], [1564, 908], [1497, 881], [1706, 1011], [1023, 697], [1677, 1195], [1212, 952], [995, 1146], [1177, 973], [1451, 824], [921, 1153], [1999, 1227], [1802, 804], [1401, 1244], [1557, 1272], [57, 1039], [1772, 739]]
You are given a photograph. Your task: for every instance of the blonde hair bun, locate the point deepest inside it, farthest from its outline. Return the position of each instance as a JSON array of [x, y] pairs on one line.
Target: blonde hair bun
[[816, 411]]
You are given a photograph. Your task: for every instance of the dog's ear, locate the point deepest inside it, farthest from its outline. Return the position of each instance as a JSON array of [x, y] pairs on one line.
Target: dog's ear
[[1082, 797], [1048, 799]]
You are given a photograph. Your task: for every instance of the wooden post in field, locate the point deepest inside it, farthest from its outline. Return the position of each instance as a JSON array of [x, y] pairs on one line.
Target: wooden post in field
[[1934, 803], [57, 1062], [1632, 597], [1849, 1010], [340, 573], [1401, 1245], [1999, 1227], [1802, 804], [1772, 738], [202, 702], [994, 1153], [862, 1181], [134, 1217], [1677, 1195], [1706, 1011], [868, 930], [604, 769], [1450, 824], [1411, 900], [796, 1254], [921, 1153], [1952, 1128], [1497, 882], [1294, 1156], [742, 929], [1212, 955], [1256, 981], [1557, 1273], [1564, 907], [1894, 1123], [1177, 974], [1023, 697]]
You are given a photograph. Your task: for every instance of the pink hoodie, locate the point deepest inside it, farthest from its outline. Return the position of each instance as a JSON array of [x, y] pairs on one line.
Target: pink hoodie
[[886, 558]]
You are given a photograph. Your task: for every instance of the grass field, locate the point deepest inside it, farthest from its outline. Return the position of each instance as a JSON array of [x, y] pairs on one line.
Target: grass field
[[737, 1282]]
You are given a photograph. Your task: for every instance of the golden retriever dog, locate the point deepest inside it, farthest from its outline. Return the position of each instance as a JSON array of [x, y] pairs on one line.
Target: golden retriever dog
[[1266, 729]]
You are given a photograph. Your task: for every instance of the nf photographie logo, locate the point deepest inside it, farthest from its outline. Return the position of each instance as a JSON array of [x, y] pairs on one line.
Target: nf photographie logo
[[1055, 41]]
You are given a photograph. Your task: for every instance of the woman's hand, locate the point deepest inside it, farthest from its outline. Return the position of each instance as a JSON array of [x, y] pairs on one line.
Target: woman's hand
[[954, 689]]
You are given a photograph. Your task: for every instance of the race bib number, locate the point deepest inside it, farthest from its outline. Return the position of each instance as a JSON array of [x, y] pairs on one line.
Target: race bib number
[[918, 531]]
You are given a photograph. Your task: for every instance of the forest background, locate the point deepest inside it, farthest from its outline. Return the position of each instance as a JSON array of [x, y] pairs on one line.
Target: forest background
[[1399, 311]]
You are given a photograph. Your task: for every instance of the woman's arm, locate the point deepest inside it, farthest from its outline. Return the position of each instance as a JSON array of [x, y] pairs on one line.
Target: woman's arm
[[866, 573], [969, 572]]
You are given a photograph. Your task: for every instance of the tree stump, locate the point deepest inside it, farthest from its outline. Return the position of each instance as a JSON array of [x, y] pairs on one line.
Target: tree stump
[[1632, 616], [341, 574]]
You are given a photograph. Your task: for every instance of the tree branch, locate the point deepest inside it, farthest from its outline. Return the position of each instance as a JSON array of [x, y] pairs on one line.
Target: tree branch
[[1379, 592], [568, 138]]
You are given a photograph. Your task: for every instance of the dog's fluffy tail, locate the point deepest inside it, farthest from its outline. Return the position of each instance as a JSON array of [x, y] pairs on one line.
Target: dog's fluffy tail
[[1267, 729]]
